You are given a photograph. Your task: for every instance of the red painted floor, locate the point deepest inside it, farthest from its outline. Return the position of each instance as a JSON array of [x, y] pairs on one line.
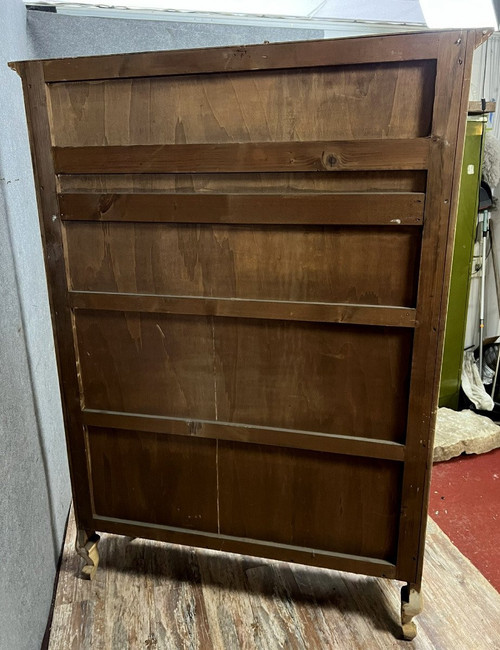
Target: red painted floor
[[465, 503]]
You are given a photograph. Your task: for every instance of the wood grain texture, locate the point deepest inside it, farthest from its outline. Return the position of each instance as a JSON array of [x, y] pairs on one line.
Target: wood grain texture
[[241, 308], [372, 49], [370, 266], [247, 107], [304, 498], [265, 492], [256, 358], [328, 209], [255, 183], [144, 363], [289, 438], [50, 227], [198, 599], [449, 117], [165, 477], [330, 155]]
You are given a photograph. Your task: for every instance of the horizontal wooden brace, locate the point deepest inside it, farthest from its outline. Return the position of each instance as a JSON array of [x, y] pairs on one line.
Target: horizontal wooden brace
[[305, 54], [362, 208], [337, 155], [246, 546], [245, 308], [325, 442]]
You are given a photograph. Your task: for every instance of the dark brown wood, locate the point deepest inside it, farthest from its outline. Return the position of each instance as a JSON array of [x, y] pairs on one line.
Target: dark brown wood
[[246, 157], [360, 265], [247, 107], [144, 363], [450, 112], [232, 307], [332, 443], [259, 548], [249, 341], [253, 503], [371, 49], [247, 183], [50, 227], [160, 469], [369, 209]]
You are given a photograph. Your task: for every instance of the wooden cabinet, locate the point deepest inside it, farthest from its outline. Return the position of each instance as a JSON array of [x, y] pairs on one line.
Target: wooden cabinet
[[248, 253]]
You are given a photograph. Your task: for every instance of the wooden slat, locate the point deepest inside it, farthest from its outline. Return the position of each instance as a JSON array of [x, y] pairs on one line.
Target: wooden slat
[[243, 308], [245, 546], [340, 155], [476, 108], [305, 54], [291, 438], [392, 209]]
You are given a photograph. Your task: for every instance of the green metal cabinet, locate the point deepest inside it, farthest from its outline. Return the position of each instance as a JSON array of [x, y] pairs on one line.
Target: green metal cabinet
[[462, 264]]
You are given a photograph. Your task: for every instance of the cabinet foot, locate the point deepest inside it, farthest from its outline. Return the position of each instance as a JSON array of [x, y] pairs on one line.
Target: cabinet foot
[[411, 605], [86, 547]]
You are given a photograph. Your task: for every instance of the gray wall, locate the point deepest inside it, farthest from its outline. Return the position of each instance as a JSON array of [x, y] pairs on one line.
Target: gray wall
[[35, 491], [55, 35], [34, 480]]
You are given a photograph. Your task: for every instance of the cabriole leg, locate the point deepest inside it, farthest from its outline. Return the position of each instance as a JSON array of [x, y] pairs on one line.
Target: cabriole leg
[[86, 547], [411, 605]]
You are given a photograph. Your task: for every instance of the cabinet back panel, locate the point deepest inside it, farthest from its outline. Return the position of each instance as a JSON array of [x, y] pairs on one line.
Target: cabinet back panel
[[363, 265], [310, 499], [271, 106], [347, 380], [155, 478]]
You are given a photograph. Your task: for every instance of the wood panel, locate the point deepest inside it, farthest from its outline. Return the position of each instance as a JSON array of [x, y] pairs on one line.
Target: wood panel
[[241, 308], [290, 438], [304, 498], [347, 379], [363, 265], [255, 183], [247, 106], [50, 228], [333, 155], [370, 209], [154, 478], [449, 117], [370, 49]]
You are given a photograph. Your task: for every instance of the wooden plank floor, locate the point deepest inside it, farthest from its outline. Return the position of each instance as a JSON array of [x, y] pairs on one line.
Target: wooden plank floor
[[163, 597]]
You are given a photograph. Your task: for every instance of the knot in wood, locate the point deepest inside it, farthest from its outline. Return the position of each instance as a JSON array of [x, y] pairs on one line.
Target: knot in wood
[[329, 160]]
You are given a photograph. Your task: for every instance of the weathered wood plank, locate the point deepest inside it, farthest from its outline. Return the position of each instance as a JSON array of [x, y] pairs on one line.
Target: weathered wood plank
[[290, 438], [367, 208], [340, 155], [243, 308], [217, 600], [370, 49]]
